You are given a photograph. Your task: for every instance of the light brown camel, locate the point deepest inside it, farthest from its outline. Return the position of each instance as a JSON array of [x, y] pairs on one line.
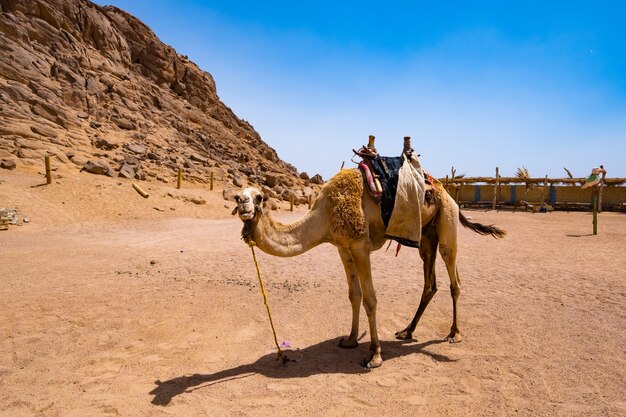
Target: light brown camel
[[346, 215]]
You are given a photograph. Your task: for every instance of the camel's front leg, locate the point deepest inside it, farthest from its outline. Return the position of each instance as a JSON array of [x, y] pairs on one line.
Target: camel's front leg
[[354, 293], [361, 257], [428, 253]]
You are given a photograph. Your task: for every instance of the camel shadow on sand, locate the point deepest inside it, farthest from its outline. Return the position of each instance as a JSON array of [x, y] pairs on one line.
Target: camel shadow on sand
[[321, 358]]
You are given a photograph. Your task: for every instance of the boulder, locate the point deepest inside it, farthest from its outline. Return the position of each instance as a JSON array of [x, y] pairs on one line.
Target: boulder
[[123, 123], [269, 192], [7, 164], [230, 193], [317, 179], [132, 161], [271, 154], [104, 144], [179, 88], [238, 182], [136, 149], [127, 171], [97, 167], [288, 194], [197, 158], [272, 179]]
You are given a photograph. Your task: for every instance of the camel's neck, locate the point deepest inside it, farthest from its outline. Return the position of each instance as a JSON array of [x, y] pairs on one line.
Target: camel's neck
[[293, 239]]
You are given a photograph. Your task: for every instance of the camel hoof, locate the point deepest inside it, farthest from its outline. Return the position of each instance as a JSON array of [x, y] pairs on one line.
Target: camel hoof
[[347, 344], [454, 338], [374, 362], [404, 335]]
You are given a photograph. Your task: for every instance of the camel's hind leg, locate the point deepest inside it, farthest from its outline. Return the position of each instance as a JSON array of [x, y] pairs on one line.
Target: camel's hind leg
[[447, 229], [428, 252], [354, 293], [449, 257]]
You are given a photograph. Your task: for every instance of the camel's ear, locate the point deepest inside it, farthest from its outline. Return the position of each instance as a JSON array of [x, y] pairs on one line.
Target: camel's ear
[[266, 197], [235, 210], [259, 198]]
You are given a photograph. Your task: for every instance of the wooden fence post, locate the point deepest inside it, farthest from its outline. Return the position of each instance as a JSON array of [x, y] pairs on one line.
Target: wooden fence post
[[495, 190], [48, 170], [211, 187], [180, 178], [594, 203], [601, 187], [310, 201], [543, 192]]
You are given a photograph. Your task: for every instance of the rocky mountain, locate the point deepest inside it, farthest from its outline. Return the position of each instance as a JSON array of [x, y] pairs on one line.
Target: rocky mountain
[[95, 88]]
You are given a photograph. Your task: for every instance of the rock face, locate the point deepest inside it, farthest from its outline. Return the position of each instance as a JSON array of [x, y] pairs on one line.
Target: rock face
[[91, 83]]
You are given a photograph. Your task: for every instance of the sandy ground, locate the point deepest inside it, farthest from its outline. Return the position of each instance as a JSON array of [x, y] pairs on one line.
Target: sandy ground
[[112, 307]]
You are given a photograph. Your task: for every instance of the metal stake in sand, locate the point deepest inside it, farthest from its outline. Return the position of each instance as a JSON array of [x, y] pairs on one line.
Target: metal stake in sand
[[48, 170], [279, 355]]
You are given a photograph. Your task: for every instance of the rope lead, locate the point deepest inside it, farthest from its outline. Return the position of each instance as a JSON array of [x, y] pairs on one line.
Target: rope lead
[[280, 355]]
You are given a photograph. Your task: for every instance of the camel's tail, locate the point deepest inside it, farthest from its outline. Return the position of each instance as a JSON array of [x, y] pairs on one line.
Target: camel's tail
[[482, 229]]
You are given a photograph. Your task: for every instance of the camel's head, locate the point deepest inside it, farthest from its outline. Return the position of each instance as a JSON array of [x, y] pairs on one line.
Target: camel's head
[[249, 204]]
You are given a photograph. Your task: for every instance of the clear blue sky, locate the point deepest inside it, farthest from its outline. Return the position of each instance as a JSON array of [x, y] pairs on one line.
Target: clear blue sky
[[475, 84]]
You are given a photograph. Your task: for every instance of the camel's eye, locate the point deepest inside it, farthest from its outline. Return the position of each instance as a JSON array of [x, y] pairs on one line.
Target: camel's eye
[[238, 199], [258, 198]]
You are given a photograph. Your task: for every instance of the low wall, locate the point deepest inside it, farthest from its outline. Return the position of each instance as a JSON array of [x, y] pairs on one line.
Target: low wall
[[512, 194]]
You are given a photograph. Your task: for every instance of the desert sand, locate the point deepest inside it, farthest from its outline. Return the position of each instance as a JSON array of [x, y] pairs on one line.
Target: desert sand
[[115, 305]]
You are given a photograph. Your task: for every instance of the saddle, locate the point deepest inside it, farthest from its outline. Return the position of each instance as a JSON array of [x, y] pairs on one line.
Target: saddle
[[381, 173], [383, 177]]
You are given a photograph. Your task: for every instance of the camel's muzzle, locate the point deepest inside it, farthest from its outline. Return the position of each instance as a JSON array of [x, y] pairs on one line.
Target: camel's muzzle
[[247, 215]]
